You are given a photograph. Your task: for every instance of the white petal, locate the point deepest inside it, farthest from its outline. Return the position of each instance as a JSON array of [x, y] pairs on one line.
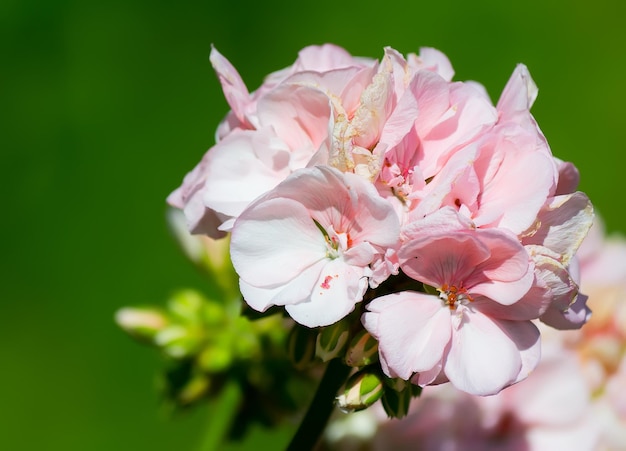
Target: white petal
[[483, 358], [335, 294], [273, 241], [413, 330]]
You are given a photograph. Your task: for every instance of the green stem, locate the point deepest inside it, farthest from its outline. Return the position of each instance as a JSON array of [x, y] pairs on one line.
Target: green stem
[[222, 414], [314, 422]]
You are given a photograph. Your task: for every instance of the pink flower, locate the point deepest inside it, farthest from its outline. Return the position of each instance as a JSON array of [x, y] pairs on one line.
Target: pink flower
[[309, 242], [328, 108], [340, 174], [472, 324], [547, 411]]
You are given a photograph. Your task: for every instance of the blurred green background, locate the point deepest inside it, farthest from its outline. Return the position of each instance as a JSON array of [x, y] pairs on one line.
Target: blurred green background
[[107, 104]]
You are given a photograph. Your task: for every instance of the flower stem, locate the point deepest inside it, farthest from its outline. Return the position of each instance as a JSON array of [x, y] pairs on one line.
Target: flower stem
[[314, 422], [222, 416]]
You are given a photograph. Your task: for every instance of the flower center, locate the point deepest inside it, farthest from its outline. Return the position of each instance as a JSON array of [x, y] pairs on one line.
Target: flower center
[[454, 296], [335, 241]]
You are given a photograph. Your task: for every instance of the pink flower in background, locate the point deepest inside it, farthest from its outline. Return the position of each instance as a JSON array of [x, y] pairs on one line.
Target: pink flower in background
[[547, 411], [601, 343], [309, 242]]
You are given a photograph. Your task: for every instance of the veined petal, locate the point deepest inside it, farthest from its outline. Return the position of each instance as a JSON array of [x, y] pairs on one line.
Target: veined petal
[[564, 223], [503, 166], [443, 259], [298, 114]]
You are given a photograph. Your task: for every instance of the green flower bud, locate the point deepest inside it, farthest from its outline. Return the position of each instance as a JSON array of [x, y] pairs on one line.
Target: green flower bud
[[178, 341], [214, 359], [362, 390], [213, 314], [141, 323], [194, 389], [396, 403], [246, 342], [186, 306], [332, 340], [363, 350], [301, 346], [396, 383], [200, 249]]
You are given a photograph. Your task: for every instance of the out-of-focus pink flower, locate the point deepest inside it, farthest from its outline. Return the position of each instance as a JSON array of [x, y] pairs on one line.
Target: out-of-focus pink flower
[[601, 343], [547, 411], [309, 242]]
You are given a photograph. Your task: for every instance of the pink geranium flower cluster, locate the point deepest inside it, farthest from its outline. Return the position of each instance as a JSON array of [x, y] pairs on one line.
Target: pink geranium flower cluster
[[574, 399], [341, 175]]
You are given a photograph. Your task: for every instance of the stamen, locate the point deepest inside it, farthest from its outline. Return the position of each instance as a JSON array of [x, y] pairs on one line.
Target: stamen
[[454, 296]]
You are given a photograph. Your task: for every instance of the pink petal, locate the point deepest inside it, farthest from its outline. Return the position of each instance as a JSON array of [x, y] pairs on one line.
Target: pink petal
[[413, 330], [504, 165], [241, 167], [234, 88], [322, 58], [518, 95], [484, 357], [442, 259], [298, 114], [565, 221], [556, 394], [433, 60]]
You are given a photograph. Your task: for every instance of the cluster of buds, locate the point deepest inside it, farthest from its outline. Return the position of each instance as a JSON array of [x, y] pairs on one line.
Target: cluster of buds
[[201, 338], [209, 342], [357, 349]]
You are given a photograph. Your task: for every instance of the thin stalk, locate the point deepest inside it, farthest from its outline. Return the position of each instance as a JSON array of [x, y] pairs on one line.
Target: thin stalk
[[314, 422], [223, 413]]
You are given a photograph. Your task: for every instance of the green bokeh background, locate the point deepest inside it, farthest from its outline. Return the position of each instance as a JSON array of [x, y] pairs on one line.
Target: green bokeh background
[[105, 105]]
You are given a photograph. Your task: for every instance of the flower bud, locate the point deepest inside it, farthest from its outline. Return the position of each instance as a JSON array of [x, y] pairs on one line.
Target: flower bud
[[200, 249], [362, 390], [186, 306], [214, 314], [212, 255], [332, 340], [178, 341], [301, 346], [363, 350], [141, 323], [194, 389], [396, 383], [216, 358], [396, 403]]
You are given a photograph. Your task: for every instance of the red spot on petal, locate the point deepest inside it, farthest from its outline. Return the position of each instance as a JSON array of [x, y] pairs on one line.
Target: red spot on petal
[[326, 283]]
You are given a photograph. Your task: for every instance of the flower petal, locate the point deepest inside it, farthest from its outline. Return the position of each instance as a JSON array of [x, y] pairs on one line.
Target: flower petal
[[338, 289], [273, 241], [413, 330], [483, 357]]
